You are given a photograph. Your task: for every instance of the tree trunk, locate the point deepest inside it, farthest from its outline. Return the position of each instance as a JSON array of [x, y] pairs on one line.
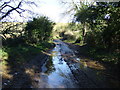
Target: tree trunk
[[84, 31]]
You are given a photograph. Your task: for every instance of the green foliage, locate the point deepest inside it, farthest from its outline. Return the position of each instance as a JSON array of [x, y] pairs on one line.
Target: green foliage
[[11, 42], [21, 48], [85, 14], [19, 54], [100, 54], [104, 33], [12, 29], [3, 56], [39, 30], [50, 66]]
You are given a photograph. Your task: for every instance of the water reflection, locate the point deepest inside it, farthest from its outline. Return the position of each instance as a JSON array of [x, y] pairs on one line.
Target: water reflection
[[56, 73], [50, 66]]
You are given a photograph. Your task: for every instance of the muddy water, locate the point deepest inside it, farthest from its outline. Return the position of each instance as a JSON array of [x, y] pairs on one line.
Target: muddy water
[[55, 72]]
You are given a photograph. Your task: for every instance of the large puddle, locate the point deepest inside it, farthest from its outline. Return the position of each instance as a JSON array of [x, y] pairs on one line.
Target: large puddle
[[55, 72]]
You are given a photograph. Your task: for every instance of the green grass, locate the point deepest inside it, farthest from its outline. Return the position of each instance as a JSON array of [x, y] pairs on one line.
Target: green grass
[[20, 54], [104, 56], [3, 56]]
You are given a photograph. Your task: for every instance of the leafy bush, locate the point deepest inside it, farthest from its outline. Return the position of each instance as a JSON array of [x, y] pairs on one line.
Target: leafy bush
[[38, 30], [14, 41]]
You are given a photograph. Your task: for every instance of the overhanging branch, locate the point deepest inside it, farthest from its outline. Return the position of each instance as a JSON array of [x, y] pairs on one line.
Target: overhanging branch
[[12, 9]]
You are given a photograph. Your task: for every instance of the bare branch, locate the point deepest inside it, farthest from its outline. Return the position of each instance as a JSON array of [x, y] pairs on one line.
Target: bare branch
[[31, 3], [15, 5], [5, 7], [5, 3], [9, 11]]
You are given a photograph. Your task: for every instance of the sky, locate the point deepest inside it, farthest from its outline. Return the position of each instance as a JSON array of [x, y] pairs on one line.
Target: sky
[[54, 10], [50, 8]]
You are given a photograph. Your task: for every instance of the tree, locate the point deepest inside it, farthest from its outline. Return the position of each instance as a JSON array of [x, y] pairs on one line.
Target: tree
[[82, 16], [103, 29], [8, 8], [79, 12], [11, 29], [38, 30]]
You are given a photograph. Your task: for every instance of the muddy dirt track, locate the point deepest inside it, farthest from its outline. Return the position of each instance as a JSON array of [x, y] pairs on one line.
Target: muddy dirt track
[[58, 68]]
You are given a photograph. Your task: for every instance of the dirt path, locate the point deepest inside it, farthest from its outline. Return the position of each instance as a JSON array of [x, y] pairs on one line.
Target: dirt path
[[106, 77], [22, 76], [40, 71]]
